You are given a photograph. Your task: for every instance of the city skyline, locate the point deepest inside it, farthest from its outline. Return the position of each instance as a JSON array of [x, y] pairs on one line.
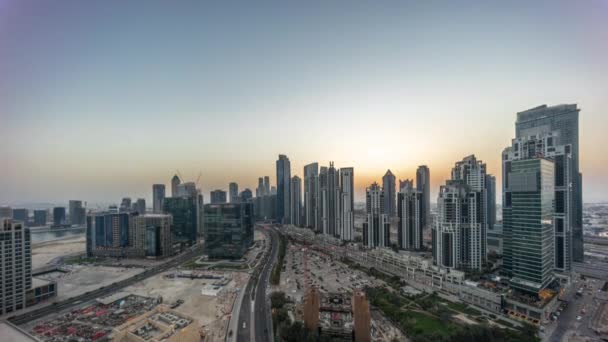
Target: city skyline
[[90, 113]]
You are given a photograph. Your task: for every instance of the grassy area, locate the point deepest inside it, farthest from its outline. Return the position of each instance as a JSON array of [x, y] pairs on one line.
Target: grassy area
[[275, 276], [435, 322]]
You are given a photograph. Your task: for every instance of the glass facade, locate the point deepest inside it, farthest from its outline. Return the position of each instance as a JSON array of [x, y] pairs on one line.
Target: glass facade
[[185, 223], [228, 230], [529, 224]]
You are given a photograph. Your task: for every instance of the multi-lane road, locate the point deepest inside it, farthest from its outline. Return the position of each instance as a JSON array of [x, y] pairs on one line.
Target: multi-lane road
[[104, 291], [254, 322]]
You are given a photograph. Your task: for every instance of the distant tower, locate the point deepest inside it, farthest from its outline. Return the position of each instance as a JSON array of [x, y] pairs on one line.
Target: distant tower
[[347, 203], [409, 211], [423, 184], [311, 196], [175, 181], [158, 196], [388, 185], [259, 192], [266, 185], [218, 196], [296, 201], [283, 188], [233, 190], [140, 206], [376, 229]]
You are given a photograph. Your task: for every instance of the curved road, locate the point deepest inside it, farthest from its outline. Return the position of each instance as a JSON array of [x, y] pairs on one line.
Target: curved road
[[257, 311]]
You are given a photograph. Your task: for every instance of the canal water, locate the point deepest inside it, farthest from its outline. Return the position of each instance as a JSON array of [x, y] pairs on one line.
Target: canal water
[[50, 234]]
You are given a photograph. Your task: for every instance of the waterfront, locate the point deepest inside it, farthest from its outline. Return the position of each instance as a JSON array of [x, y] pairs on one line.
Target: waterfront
[[45, 234]]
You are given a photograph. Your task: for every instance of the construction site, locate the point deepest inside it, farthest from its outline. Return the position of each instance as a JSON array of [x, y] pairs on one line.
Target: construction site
[[308, 272], [94, 322]]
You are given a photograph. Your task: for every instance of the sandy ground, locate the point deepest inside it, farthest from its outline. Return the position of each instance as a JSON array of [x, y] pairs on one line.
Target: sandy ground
[[81, 279], [45, 252], [212, 312]]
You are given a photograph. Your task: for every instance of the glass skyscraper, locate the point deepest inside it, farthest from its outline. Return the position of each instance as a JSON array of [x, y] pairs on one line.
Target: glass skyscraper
[[228, 229]]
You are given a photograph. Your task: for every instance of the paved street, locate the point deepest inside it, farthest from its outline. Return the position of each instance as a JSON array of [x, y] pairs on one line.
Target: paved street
[[567, 322], [260, 330]]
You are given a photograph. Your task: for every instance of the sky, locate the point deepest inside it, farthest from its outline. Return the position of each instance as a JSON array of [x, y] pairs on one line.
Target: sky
[[101, 99]]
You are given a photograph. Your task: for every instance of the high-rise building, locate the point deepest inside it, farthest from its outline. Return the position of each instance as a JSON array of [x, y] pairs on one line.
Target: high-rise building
[[283, 188], [187, 189], [423, 184], [158, 196], [528, 232], [388, 185], [22, 215], [175, 182], [329, 200], [459, 234], [311, 196], [562, 121], [259, 191], [77, 212], [267, 186], [140, 206], [40, 217], [376, 229], [347, 203], [186, 218], [125, 204], [228, 229], [233, 191], [59, 216], [6, 212], [273, 190], [410, 212], [153, 235], [218, 196], [16, 264], [245, 196], [548, 146], [491, 195], [111, 234], [296, 201]]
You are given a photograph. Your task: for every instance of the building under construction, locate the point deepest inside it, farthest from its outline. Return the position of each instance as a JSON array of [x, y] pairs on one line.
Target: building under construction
[[159, 324], [339, 316]]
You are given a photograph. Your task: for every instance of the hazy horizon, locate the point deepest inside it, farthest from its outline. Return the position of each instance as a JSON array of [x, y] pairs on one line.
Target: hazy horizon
[[99, 100]]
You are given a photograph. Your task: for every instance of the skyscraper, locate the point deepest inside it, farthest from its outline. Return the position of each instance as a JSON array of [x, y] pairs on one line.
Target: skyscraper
[[228, 229], [563, 121], [153, 234], [140, 206], [6, 212], [347, 203], [77, 212], [175, 181], [323, 207], [423, 184], [245, 196], [22, 215], [296, 201], [158, 196], [283, 188], [376, 229], [410, 212], [528, 223], [125, 204], [16, 265], [311, 196], [459, 235], [218, 196], [259, 191], [267, 186], [388, 185], [233, 190], [186, 218], [549, 146], [59, 216], [40, 217], [333, 201], [491, 194]]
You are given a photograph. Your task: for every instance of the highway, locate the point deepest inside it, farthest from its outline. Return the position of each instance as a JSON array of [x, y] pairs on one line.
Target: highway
[[257, 311], [104, 291]]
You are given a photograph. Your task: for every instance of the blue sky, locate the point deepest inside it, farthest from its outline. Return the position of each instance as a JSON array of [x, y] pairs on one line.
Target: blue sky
[[100, 99]]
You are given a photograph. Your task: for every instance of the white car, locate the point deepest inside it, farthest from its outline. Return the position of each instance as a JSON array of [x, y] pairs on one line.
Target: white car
[[578, 318]]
